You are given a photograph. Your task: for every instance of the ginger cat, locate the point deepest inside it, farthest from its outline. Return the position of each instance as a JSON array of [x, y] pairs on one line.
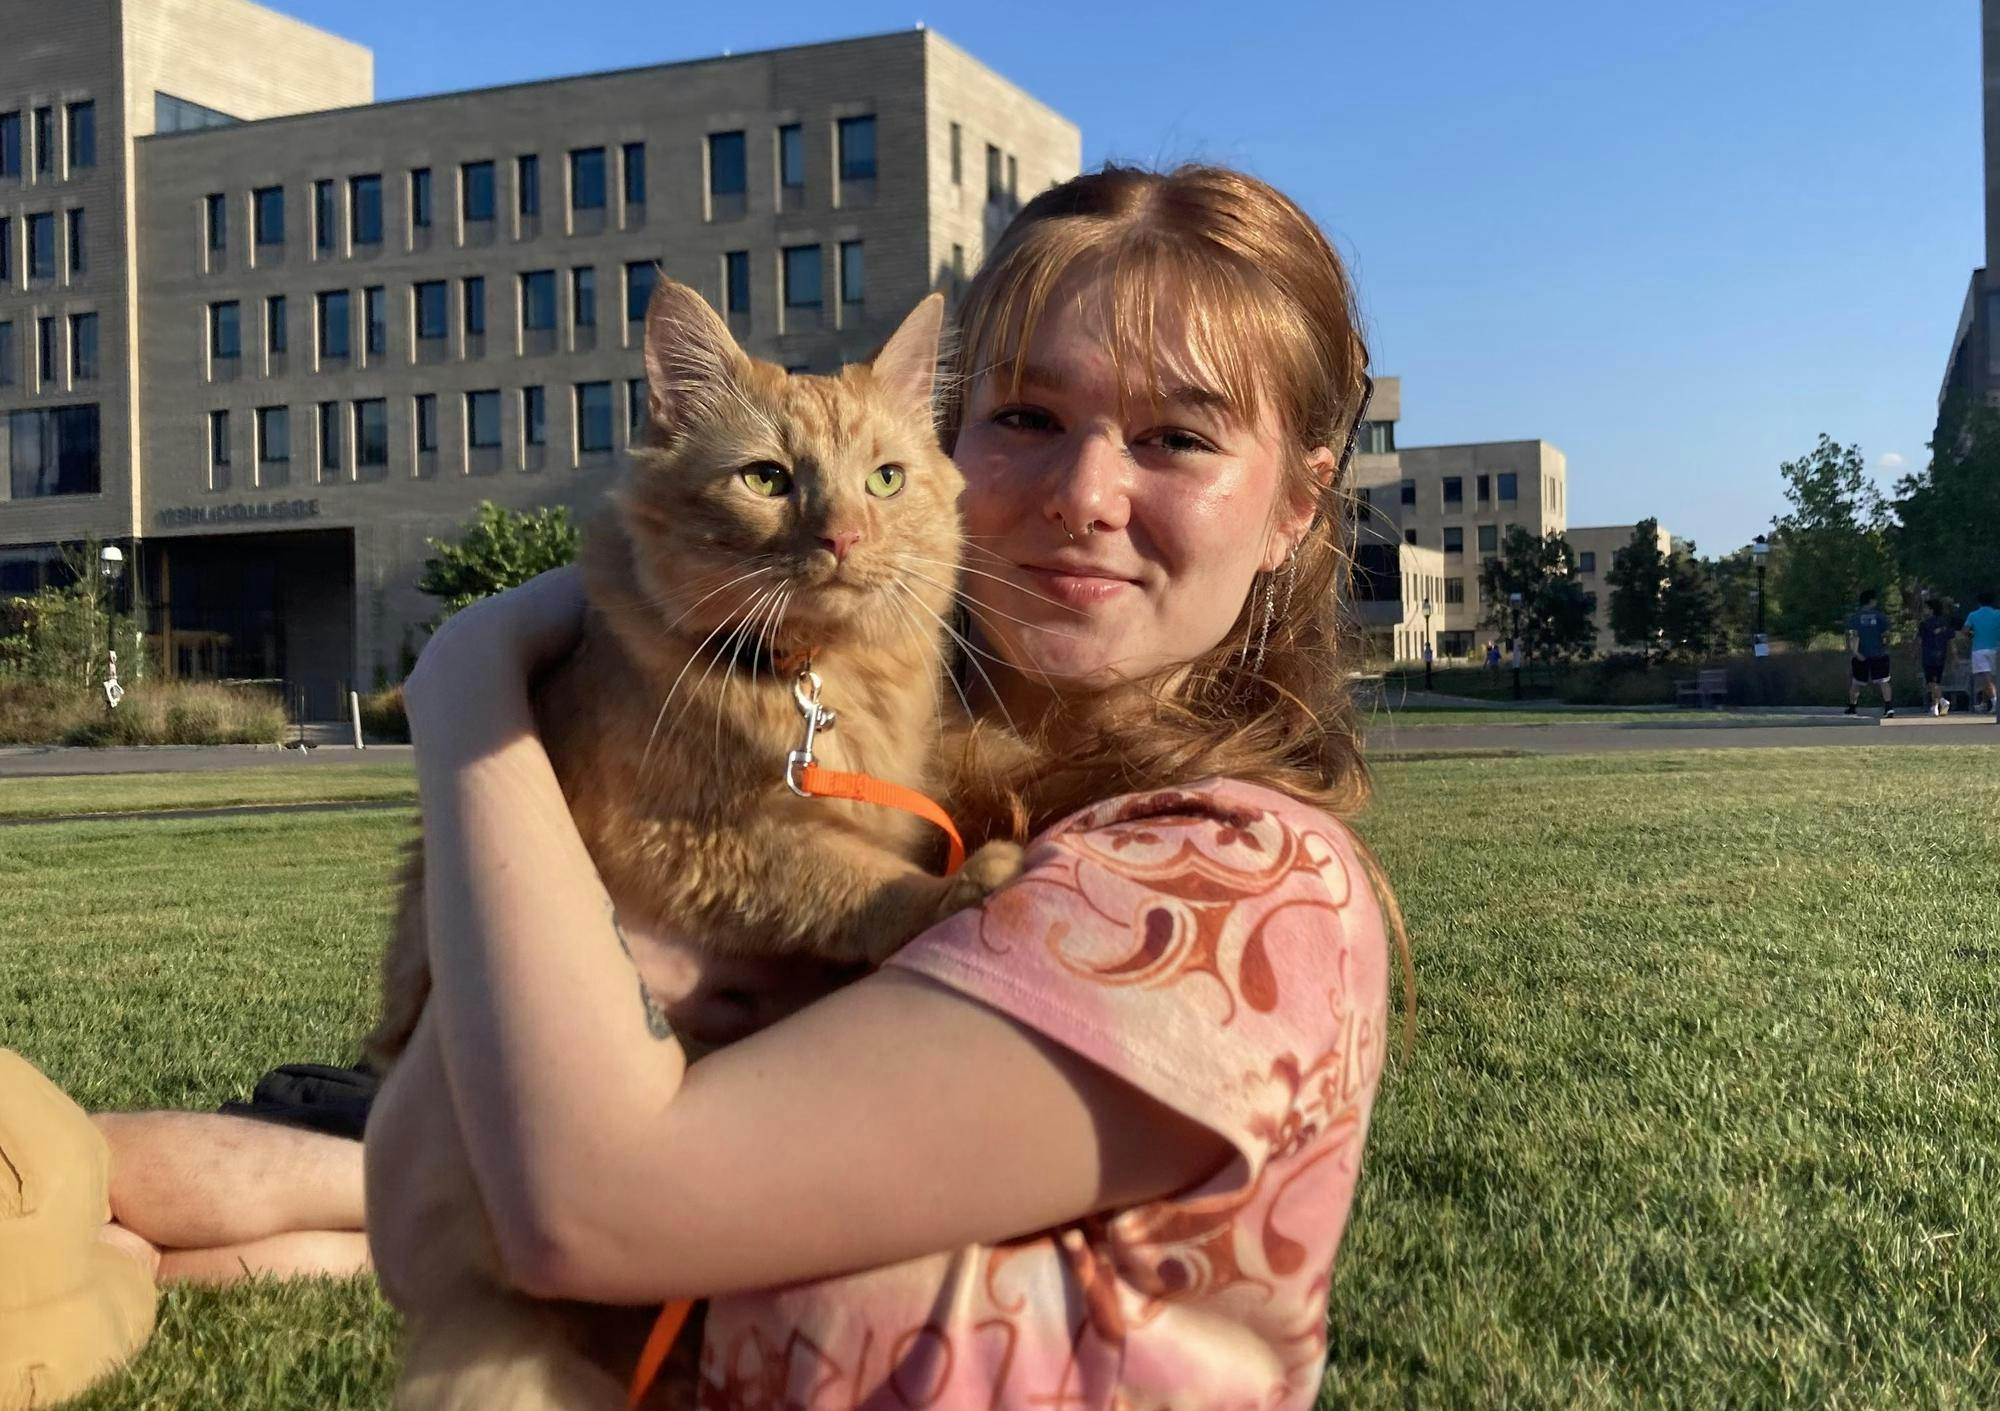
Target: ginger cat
[[774, 518]]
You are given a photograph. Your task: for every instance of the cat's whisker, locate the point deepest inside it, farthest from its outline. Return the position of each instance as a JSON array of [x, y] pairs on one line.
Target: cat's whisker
[[714, 658], [1006, 582], [647, 755], [959, 637], [729, 650], [741, 578], [961, 597], [936, 649]]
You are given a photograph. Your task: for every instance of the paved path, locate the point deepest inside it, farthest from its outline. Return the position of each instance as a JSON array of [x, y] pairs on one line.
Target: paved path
[[28, 761], [1653, 733]]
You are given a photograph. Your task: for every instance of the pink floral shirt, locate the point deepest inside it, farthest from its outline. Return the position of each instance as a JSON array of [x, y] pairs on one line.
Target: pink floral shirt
[[1220, 948]]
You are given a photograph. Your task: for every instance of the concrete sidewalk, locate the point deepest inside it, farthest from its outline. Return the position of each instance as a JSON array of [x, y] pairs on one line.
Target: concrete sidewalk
[[1651, 733], [41, 761]]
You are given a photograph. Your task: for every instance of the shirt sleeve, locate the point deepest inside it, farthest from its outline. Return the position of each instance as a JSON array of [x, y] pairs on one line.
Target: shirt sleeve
[[1212, 946]]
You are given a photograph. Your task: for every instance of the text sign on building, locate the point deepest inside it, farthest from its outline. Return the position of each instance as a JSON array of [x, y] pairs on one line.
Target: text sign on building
[[182, 516]]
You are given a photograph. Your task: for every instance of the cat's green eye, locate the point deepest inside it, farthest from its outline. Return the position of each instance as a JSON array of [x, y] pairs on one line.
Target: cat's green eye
[[885, 480], [767, 479]]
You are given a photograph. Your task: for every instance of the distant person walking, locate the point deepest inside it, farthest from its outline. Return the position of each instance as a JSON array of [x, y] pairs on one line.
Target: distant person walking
[[1492, 658], [1868, 651], [1934, 637], [1982, 624]]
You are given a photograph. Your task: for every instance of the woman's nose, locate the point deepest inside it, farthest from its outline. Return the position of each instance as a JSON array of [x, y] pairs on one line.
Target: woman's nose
[[1091, 488]]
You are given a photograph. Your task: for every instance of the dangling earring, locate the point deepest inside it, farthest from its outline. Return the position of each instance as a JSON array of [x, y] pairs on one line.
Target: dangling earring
[[1264, 630]]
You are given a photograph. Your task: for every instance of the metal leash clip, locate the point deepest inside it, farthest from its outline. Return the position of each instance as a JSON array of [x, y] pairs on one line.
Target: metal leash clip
[[805, 694]]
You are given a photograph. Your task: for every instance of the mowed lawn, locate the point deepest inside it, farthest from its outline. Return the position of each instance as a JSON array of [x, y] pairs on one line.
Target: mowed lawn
[[1704, 1107]]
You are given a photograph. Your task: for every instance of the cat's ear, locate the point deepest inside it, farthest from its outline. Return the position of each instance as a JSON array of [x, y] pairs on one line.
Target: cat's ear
[[690, 355], [907, 365]]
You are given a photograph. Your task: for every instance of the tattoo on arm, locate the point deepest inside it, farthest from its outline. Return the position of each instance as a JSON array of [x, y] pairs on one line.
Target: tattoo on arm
[[656, 1018]]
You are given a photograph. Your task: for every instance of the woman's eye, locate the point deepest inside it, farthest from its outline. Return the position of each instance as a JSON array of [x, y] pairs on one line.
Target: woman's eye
[[767, 479], [1182, 443], [885, 481], [1023, 419]]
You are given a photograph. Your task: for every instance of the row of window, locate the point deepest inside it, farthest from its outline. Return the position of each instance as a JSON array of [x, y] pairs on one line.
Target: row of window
[[79, 152], [1002, 184], [351, 440], [49, 351], [729, 156], [46, 242], [1451, 488]]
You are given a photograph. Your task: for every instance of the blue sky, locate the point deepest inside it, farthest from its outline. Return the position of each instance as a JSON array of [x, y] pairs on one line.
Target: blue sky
[[1677, 241]]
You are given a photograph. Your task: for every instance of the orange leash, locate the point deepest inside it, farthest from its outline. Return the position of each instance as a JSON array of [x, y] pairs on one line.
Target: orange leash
[[822, 783], [659, 1342]]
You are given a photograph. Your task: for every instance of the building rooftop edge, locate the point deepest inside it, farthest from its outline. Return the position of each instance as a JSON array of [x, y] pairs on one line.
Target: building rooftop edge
[[1471, 445]]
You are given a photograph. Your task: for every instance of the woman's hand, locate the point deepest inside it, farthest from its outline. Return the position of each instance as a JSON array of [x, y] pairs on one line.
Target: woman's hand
[[475, 671]]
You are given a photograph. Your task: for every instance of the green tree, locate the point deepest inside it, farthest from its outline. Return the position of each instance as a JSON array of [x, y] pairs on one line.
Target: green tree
[[1556, 610], [1734, 576], [1836, 540], [1638, 579], [59, 635], [1949, 513], [501, 549], [1690, 609]]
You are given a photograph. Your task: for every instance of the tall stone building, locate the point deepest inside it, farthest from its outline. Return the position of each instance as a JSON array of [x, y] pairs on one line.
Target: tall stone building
[[270, 335], [1973, 367]]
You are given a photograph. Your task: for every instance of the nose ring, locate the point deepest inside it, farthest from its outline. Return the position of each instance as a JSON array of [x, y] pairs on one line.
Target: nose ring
[[1088, 529]]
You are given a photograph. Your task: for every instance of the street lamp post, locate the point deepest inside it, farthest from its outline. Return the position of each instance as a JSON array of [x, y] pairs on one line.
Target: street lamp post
[[1514, 638], [1760, 552], [1427, 642], [110, 565]]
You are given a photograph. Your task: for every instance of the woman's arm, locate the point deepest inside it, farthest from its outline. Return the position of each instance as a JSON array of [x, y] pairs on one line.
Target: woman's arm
[[893, 1119]]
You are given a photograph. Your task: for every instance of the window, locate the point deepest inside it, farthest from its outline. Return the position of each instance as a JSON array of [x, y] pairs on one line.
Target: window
[[635, 173], [792, 157], [274, 435], [586, 179], [335, 336], [323, 217], [1509, 487], [1454, 591], [54, 452], [994, 189], [375, 321], [640, 276], [851, 282], [593, 416], [474, 295], [802, 277], [10, 145], [635, 406], [1489, 538], [482, 419], [1586, 561], [371, 438], [957, 155], [583, 296], [1454, 491], [218, 449], [475, 185], [430, 299], [736, 282], [1454, 540], [82, 136], [329, 440], [857, 149], [216, 210], [726, 172], [538, 299], [76, 259], [364, 195], [267, 215], [225, 330], [1485, 484], [535, 416], [958, 264], [275, 338], [45, 351], [1377, 438], [45, 142], [171, 114], [82, 347], [1013, 179], [528, 184], [6, 252], [424, 412], [1409, 492], [7, 374], [420, 199]]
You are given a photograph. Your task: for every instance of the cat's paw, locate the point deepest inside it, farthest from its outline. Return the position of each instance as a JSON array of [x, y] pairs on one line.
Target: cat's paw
[[993, 866]]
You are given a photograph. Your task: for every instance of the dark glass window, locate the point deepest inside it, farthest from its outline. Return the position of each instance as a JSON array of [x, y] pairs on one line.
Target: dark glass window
[[1454, 590], [851, 282], [336, 339], [274, 435], [528, 184], [1586, 560], [583, 296], [329, 440], [474, 294], [1454, 539], [995, 187], [957, 155], [218, 443], [538, 299], [802, 277], [476, 187], [42, 246], [6, 252], [593, 416], [727, 175], [216, 208], [1489, 538], [371, 438], [323, 216], [482, 419], [275, 334], [586, 179], [535, 416], [1509, 486], [10, 145], [82, 136], [635, 406], [45, 351], [635, 173], [857, 149], [171, 114], [640, 277], [83, 346], [375, 320], [45, 142], [225, 330], [425, 406], [1013, 178], [1484, 486], [364, 194], [54, 451], [420, 199], [267, 215], [77, 263], [792, 156], [1454, 490], [1409, 492], [736, 281], [431, 300]]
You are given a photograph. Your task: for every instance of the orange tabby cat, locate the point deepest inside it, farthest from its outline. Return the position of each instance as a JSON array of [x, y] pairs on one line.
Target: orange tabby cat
[[776, 519]]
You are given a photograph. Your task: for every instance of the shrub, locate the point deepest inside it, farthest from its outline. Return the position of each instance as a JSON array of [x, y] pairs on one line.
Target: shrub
[[152, 713], [382, 716]]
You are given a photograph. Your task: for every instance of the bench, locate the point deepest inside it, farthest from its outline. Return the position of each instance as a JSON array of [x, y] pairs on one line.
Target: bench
[[1710, 686]]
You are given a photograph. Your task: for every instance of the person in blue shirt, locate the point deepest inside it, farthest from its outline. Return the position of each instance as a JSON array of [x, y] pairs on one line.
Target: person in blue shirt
[[1868, 646], [1934, 637], [1982, 624]]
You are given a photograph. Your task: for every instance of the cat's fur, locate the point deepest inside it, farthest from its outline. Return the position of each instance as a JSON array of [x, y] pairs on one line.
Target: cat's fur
[[682, 806]]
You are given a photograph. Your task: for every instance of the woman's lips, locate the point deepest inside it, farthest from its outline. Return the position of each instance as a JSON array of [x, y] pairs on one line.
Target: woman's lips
[[1074, 587]]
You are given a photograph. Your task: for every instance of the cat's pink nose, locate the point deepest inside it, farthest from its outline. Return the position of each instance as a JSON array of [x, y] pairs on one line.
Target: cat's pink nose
[[839, 542]]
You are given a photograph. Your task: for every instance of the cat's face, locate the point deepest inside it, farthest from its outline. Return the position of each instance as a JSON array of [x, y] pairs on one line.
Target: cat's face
[[795, 511]]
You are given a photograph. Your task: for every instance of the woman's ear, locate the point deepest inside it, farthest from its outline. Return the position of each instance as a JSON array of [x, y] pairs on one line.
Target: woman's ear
[[1297, 515]]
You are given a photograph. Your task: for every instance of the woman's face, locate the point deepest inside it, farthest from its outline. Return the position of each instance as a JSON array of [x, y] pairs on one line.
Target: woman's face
[[1107, 543]]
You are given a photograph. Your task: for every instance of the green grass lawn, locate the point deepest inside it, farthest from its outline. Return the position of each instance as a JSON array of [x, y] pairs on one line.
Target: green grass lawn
[[1701, 1111]]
